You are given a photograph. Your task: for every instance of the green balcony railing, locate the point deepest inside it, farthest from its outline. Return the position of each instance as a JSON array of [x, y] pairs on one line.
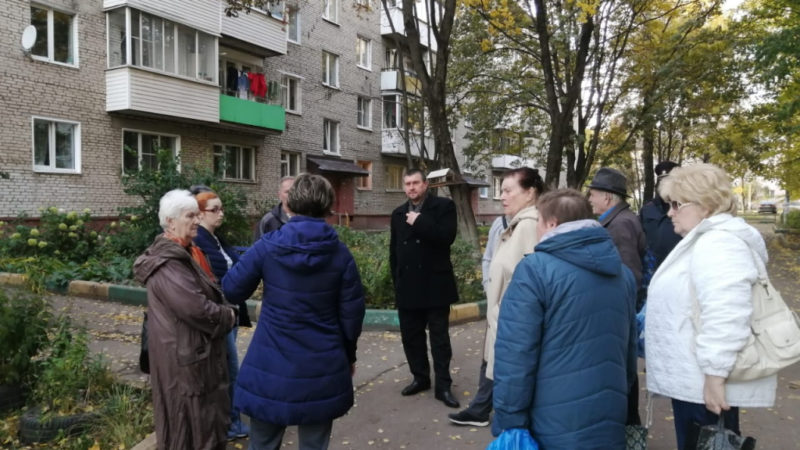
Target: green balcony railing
[[237, 110]]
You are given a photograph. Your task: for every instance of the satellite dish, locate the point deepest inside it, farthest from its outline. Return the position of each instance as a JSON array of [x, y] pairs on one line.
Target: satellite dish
[[28, 38]]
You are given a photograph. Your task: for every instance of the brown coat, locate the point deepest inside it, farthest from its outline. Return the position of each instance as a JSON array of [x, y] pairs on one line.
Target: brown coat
[[187, 325]]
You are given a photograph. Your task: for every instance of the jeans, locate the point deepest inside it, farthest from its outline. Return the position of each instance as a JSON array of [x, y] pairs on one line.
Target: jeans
[[268, 436], [237, 427], [689, 417]]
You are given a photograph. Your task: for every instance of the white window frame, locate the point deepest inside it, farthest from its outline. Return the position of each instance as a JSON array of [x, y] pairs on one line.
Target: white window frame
[[293, 13], [399, 171], [51, 143], [363, 3], [483, 192], [330, 10], [364, 53], [398, 116], [364, 113], [176, 151], [177, 44], [286, 92], [330, 137], [50, 58], [497, 186], [223, 152], [330, 69], [364, 183], [286, 164]]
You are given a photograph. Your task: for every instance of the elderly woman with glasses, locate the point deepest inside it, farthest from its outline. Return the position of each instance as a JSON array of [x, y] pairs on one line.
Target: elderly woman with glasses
[[699, 304], [188, 320], [299, 366], [222, 257]]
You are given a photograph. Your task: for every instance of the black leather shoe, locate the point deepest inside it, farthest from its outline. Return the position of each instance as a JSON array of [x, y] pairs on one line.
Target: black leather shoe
[[415, 388], [447, 398]]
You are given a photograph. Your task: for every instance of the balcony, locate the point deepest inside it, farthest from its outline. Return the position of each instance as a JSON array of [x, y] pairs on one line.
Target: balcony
[[396, 15], [392, 143], [245, 112], [503, 162], [146, 92], [391, 80], [256, 32]]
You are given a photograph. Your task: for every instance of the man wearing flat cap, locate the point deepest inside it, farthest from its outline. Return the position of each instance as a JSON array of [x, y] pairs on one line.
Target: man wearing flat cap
[[607, 194]]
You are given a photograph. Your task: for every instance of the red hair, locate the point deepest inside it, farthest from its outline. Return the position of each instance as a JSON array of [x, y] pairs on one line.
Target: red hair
[[203, 198]]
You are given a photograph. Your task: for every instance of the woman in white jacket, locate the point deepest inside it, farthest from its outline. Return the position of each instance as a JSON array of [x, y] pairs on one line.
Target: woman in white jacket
[[521, 189], [706, 280]]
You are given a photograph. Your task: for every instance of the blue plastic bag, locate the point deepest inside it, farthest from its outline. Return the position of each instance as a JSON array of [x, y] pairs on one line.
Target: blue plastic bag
[[640, 319], [514, 439]]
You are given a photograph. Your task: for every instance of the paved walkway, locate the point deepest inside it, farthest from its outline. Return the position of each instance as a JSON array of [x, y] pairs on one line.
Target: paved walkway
[[382, 418]]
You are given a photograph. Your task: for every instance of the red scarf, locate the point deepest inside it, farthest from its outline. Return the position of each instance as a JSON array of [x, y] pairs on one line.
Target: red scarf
[[196, 252]]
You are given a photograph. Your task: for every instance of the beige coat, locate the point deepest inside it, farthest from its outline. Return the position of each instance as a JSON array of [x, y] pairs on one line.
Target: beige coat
[[516, 241]]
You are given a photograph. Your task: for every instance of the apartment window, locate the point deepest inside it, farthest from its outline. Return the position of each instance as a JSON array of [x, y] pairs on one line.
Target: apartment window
[[393, 116], [140, 149], [330, 10], [56, 36], [275, 8], [293, 30], [56, 145], [234, 162], [364, 3], [364, 183], [290, 164], [394, 177], [497, 186], [483, 192], [330, 136], [290, 94], [364, 53], [140, 39], [364, 119], [330, 69]]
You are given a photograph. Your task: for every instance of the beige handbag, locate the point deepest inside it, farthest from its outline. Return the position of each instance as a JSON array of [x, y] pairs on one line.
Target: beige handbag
[[774, 341]]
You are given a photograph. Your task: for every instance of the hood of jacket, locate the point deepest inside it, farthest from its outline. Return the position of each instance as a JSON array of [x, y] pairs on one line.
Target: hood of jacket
[[589, 248], [159, 252], [304, 243]]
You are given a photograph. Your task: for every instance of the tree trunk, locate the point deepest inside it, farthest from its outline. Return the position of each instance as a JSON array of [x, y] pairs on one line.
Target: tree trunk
[[648, 143]]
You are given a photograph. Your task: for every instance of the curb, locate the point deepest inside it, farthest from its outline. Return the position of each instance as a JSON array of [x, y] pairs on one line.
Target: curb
[[374, 319]]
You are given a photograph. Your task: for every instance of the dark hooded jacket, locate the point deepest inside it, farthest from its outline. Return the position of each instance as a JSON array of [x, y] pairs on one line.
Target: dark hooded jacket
[[187, 322], [565, 350], [211, 247], [297, 368]]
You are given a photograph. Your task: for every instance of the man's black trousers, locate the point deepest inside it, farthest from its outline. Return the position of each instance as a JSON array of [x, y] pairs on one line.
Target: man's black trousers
[[412, 329]]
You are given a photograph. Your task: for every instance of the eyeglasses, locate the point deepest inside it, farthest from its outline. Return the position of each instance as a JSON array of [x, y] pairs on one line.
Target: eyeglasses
[[677, 206], [215, 210]]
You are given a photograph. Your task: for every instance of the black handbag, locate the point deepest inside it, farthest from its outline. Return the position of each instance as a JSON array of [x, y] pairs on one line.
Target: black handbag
[[144, 355]]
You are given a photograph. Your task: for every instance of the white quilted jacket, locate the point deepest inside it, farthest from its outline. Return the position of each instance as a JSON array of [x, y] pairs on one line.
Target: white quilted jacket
[[716, 256]]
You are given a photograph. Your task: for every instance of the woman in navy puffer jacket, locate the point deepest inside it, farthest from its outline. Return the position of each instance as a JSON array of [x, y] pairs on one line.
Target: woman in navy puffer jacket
[[298, 368]]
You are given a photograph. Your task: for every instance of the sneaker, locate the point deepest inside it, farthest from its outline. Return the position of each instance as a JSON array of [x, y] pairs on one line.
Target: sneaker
[[465, 417]]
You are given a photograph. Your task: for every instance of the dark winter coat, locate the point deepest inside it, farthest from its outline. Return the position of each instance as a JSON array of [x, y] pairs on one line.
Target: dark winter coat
[[271, 221], [419, 255], [209, 245], [626, 231], [297, 368], [187, 323], [659, 232], [565, 350]]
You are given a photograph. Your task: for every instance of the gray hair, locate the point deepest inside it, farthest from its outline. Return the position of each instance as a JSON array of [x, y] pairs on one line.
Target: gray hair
[[311, 195], [286, 178], [173, 203]]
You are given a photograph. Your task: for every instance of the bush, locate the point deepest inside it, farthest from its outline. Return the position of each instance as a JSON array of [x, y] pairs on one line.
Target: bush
[[132, 237], [62, 234], [71, 378], [793, 219], [371, 253], [24, 320]]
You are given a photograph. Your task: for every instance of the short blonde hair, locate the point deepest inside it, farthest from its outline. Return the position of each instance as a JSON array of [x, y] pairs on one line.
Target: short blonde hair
[[705, 185]]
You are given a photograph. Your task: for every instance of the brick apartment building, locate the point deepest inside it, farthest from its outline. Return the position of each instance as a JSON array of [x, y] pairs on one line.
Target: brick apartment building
[[107, 82]]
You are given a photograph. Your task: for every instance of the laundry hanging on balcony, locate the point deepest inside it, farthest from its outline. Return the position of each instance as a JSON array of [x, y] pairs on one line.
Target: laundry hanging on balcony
[[243, 85], [258, 84]]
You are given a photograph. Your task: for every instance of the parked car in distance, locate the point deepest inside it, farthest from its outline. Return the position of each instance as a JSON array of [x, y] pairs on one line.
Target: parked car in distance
[[767, 208]]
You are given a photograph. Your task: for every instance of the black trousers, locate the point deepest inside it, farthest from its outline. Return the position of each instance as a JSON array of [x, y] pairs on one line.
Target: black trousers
[[412, 329]]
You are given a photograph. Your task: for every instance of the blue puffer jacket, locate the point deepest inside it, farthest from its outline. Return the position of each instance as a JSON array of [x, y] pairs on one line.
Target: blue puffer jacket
[[297, 368], [565, 350]]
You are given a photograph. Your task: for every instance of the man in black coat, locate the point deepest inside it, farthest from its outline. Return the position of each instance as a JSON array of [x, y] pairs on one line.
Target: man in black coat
[[279, 214], [422, 231], [658, 228]]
